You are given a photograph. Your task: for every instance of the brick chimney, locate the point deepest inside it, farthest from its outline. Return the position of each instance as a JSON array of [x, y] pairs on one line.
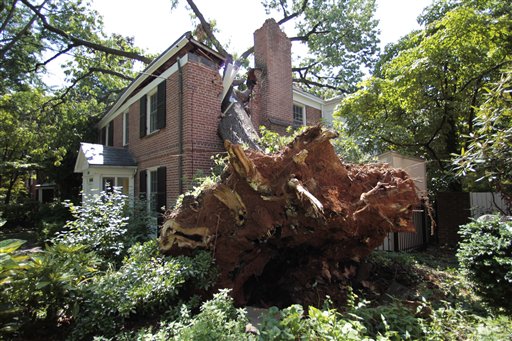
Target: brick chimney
[[272, 96]]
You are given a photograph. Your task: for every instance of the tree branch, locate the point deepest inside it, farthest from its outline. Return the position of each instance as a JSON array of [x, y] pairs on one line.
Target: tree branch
[[17, 37], [207, 28], [485, 72], [309, 34], [295, 14], [60, 99], [309, 83], [83, 42], [111, 72], [9, 16], [60, 53]]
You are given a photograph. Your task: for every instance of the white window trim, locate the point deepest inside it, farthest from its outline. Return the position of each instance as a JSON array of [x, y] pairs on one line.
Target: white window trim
[[304, 119], [149, 193], [126, 122], [107, 133], [116, 181], [148, 111]]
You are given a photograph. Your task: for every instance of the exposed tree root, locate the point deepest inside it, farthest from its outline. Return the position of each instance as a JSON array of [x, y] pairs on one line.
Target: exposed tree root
[[292, 219]]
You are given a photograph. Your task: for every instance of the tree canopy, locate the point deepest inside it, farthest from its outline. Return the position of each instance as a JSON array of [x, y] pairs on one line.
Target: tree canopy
[[488, 153], [341, 37], [49, 122], [422, 97], [40, 127]]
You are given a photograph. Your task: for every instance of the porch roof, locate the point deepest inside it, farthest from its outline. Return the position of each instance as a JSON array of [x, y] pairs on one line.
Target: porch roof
[[97, 155]]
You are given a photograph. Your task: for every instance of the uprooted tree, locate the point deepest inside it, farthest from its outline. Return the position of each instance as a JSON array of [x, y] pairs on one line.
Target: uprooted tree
[[280, 224]]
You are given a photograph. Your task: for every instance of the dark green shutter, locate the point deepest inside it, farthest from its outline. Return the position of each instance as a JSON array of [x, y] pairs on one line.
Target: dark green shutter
[[143, 184], [111, 133], [143, 115], [161, 105], [103, 136]]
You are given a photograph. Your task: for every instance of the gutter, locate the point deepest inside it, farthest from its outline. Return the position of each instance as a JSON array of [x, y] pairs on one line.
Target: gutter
[[180, 128]]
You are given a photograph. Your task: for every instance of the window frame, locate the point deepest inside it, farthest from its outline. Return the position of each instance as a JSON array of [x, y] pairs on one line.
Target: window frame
[[126, 128], [303, 111], [116, 183], [152, 115]]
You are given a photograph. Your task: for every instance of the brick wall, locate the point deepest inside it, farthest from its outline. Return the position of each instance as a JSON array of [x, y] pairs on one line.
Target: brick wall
[[202, 88], [313, 116], [272, 54], [201, 111], [161, 147], [118, 131]]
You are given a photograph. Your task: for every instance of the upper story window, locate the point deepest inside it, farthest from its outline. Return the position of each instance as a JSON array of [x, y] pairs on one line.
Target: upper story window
[[126, 128], [299, 118], [153, 110]]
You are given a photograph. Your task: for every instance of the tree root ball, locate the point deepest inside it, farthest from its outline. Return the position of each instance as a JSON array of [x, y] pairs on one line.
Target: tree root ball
[[286, 221]]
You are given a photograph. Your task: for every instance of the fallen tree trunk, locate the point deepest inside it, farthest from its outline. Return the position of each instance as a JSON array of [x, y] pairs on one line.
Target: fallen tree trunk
[[288, 220]]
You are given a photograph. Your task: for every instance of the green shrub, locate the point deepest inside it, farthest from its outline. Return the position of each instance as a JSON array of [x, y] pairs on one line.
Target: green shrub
[[485, 255], [51, 219], [319, 324], [146, 284], [100, 225], [218, 320], [141, 222], [39, 289], [20, 214]]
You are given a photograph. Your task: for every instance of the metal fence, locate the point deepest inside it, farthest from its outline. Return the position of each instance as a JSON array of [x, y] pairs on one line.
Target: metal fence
[[406, 241]]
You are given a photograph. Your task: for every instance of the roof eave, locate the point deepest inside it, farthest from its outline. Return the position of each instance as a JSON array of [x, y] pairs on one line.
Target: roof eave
[[152, 67]]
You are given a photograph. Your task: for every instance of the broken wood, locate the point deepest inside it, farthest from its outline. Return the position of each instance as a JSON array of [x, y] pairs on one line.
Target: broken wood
[[291, 219]]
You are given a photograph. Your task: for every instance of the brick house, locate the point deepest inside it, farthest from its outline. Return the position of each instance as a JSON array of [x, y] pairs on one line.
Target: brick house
[[162, 130]]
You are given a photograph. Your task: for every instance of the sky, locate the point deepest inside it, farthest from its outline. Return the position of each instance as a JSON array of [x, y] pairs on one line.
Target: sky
[[155, 26]]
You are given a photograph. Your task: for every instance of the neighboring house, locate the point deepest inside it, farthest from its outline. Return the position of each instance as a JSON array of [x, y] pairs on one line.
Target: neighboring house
[[162, 130]]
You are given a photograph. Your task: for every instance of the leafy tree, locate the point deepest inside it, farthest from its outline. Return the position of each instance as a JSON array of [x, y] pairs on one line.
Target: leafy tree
[[34, 35], [341, 36], [41, 127], [489, 150], [422, 97]]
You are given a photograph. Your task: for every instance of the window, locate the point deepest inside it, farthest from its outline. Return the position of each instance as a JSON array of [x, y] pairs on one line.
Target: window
[[298, 115], [126, 128], [153, 187], [108, 184], [153, 110], [124, 183], [153, 190]]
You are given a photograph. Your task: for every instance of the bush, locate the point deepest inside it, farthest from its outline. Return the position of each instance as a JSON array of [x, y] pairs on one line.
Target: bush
[[51, 219], [21, 214], [100, 225], [485, 255], [146, 284], [40, 289]]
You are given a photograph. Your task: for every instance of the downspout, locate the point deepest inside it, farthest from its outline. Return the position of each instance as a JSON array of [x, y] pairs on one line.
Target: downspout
[[180, 128]]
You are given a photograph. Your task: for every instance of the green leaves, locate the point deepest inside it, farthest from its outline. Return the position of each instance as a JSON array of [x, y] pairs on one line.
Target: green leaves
[[485, 255], [10, 245], [421, 100], [489, 146]]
